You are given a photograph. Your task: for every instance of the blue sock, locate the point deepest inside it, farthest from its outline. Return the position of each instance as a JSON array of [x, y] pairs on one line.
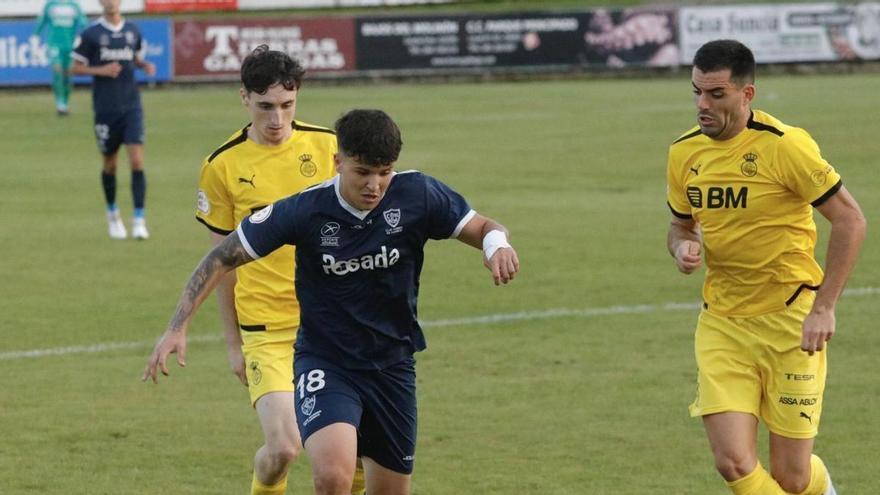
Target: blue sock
[[138, 189], [139, 213], [108, 181]]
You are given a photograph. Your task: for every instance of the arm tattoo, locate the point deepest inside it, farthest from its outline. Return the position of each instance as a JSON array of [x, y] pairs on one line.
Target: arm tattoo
[[227, 255]]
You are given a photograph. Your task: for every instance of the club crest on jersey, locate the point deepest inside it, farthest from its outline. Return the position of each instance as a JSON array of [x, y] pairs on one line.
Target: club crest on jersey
[[392, 218], [328, 234], [307, 167], [262, 215], [308, 405], [749, 168]]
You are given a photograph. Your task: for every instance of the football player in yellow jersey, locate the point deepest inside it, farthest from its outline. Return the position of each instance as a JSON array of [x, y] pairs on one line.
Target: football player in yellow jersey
[[742, 187], [273, 157]]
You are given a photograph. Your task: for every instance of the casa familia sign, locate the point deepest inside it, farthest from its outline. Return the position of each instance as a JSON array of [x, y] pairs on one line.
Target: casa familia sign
[[206, 49]]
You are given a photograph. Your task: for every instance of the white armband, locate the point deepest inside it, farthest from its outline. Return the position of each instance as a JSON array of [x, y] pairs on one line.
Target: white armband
[[492, 241]]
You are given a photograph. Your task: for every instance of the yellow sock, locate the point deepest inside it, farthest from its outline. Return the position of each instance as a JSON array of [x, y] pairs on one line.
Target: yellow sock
[[359, 485], [758, 482], [258, 488], [818, 477]]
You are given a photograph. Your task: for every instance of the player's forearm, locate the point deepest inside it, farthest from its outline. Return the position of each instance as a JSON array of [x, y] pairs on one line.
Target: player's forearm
[[226, 305], [225, 257], [81, 69], [844, 244], [475, 231]]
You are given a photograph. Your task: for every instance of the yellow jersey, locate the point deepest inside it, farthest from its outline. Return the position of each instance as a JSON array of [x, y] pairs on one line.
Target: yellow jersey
[[753, 197], [241, 177]]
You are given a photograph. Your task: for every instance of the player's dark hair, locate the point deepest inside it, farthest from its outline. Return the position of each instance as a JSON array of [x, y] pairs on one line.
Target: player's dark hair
[[719, 55], [264, 68], [369, 136]]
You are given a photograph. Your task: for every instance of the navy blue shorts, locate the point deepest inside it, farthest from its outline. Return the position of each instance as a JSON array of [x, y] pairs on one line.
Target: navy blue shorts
[[114, 129], [380, 404]]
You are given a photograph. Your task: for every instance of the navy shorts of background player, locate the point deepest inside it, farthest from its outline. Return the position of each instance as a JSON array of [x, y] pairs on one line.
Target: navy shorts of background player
[[357, 279], [115, 101]]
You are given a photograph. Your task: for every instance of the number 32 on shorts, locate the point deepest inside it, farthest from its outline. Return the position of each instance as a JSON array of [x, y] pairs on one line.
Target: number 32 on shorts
[[310, 382]]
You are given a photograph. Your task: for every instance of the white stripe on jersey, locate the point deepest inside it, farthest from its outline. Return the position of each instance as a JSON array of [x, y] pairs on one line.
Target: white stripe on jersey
[[244, 242], [464, 221]]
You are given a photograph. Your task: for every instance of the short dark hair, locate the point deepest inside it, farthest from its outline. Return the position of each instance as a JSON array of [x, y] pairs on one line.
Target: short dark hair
[[369, 136], [719, 55], [264, 68]]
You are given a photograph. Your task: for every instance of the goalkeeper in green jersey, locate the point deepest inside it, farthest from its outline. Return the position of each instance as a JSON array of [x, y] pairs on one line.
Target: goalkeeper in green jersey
[[64, 19]]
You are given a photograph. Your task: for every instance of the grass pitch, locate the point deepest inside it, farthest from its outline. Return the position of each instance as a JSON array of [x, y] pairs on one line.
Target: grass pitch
[[579, 386]]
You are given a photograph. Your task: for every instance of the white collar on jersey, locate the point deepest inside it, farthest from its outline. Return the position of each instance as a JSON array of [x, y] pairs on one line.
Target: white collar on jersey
[[360, 214], [111, 27]]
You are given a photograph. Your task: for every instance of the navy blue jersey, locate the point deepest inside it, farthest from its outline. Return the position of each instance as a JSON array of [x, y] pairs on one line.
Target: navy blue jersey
[[101, 44], [357, 272]]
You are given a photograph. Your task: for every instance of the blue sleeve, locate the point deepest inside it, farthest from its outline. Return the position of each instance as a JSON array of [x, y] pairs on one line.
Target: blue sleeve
[[139, 41], [445, 209], [270, 228], [86, 47]]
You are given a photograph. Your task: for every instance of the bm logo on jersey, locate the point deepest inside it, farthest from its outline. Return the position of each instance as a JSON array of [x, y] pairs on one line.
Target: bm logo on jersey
[[718, 197]]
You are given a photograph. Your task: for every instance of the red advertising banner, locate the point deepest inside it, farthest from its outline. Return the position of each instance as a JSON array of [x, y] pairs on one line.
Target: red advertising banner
[[157, 6], [208, 49]]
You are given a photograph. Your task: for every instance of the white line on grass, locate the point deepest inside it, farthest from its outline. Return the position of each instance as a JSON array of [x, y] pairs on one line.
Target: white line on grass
[[470, 320]]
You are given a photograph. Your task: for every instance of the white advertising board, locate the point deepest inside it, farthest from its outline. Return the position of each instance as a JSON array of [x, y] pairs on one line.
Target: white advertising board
[[787, 33]]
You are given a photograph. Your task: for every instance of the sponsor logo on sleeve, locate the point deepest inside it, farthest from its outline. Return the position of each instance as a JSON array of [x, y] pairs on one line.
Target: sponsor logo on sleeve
[[262, 215], [202, 203], [819, 177]]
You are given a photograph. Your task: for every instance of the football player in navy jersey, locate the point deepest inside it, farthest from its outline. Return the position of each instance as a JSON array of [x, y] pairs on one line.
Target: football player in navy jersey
[[110, 49], [359, 241]]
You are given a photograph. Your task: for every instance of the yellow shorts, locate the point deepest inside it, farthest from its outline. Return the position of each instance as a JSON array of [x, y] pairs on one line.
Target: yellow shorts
[[268, 359], [755, 365]]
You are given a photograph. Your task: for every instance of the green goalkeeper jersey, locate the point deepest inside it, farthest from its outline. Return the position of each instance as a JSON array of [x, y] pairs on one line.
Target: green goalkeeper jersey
[[65, 19]]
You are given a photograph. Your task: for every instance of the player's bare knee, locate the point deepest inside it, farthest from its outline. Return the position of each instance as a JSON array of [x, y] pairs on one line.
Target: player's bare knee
[[733, 467], [286, 453], [794, 486], [792, 480], [332, 479]]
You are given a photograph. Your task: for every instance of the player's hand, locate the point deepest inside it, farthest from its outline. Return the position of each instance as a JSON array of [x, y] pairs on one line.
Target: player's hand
[[149, 68], [687, 256], [819, 327], [111, 70], [172, 342], [504, 264], [236, 362]]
